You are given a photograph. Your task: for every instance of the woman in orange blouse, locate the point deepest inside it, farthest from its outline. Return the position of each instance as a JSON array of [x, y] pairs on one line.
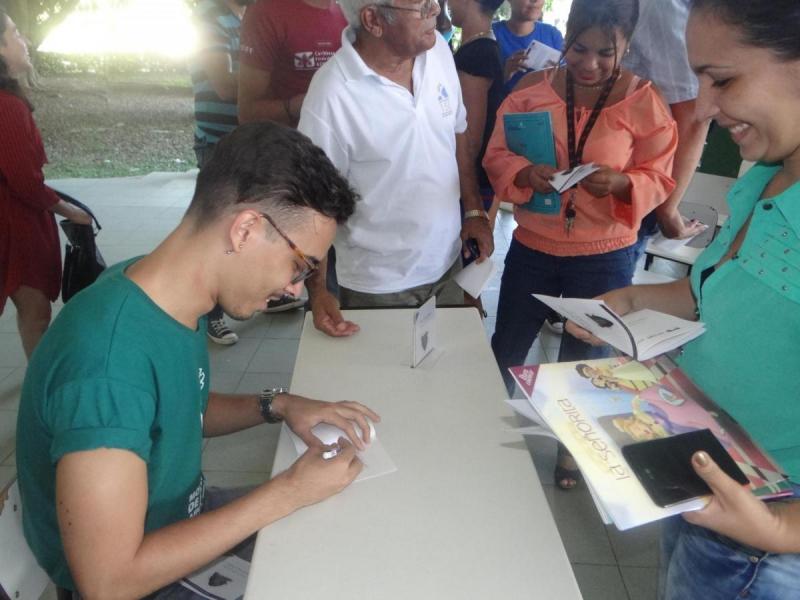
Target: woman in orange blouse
[[584, 247]]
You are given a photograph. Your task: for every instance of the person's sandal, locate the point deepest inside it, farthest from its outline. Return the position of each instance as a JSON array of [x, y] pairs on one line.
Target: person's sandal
[[565, 478]]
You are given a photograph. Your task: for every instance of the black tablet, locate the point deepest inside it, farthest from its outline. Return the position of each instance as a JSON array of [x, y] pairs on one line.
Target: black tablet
[[664, 466]]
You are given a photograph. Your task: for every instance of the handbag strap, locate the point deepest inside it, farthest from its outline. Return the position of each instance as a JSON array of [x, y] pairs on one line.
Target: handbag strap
[[79, 204]]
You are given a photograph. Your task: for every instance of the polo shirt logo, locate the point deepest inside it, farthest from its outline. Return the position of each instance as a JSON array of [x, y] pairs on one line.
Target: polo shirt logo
[[305, 61], [201, 377], [444, 101], [194, 505]]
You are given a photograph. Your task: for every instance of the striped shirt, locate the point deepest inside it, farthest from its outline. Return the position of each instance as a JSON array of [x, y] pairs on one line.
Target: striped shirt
[[658, 49], [218, 31]]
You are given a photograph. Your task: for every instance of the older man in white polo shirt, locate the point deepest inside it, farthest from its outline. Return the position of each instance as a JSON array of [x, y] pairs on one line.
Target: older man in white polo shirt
[[387, 110]]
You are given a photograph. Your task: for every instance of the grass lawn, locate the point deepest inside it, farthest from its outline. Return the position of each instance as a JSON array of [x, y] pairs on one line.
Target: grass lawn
[[115, 125]]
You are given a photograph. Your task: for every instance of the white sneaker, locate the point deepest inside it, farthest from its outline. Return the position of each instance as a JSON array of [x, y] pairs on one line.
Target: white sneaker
[[219, 333]]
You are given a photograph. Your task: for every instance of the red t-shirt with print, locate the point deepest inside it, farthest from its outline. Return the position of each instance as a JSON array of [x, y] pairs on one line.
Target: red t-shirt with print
[[291, 40]]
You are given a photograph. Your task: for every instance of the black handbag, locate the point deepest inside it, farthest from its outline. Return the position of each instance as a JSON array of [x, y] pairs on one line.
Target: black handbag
[[83, 262]]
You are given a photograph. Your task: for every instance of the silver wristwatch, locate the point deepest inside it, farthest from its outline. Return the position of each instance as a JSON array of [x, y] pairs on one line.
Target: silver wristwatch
[[265, 404]]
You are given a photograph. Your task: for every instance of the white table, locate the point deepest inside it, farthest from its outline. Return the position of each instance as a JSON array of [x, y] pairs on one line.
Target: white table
[[706, 190], [463, 517]]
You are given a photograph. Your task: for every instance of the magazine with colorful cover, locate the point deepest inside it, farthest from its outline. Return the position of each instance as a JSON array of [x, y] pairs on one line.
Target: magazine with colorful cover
[[595, 407]]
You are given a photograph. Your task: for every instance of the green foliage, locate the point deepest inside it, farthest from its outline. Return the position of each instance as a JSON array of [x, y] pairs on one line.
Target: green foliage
[[36, 18], [63, 64]]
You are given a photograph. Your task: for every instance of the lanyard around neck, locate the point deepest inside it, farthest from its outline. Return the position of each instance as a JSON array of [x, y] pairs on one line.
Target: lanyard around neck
[[576, 153]]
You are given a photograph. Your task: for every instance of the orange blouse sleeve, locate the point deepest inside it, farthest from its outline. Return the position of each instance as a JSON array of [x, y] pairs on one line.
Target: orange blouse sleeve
[[502, 165], [655, 138]]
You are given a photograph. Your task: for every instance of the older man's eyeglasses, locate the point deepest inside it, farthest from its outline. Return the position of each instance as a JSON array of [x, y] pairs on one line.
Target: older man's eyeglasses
[[425, 10], [309, 264]]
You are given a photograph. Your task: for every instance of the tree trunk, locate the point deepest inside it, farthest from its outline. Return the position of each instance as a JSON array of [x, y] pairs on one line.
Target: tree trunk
[[19, 11]]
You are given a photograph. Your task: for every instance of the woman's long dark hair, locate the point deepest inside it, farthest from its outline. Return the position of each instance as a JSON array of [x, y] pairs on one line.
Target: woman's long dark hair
[[772, 24], [7, 82], [607, 15]]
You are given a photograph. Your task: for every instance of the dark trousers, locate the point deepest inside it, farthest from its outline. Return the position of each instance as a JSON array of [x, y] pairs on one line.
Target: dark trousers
[[647, 229], [520, 315]]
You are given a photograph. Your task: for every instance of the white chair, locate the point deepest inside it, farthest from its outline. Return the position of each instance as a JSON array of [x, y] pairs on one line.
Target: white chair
[[21, 577]]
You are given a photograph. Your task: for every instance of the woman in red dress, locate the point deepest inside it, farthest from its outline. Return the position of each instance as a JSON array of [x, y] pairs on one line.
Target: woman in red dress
[[30, 256]]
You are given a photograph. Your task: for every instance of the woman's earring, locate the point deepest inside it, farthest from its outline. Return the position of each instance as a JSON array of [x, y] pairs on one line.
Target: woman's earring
[[228, 252]]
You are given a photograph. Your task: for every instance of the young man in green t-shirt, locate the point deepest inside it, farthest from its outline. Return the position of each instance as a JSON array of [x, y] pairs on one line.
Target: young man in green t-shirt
[[116, 399]]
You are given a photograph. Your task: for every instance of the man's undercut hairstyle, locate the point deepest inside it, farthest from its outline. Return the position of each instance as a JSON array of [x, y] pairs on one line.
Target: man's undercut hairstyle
[[273, 166]]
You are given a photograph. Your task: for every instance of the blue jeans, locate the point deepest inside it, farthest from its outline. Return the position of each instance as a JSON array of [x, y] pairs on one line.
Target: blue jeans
[[520, 316], [647, 228], [699, 564]]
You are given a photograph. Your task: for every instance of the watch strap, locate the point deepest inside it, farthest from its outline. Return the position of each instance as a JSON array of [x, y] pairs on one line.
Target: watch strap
[[265, 404]]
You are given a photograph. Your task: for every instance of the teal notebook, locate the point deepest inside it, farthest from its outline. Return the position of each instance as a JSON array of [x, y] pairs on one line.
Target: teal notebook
[[531, 135]]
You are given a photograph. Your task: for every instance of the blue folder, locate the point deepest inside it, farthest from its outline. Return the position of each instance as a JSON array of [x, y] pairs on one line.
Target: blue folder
[[531, 135]]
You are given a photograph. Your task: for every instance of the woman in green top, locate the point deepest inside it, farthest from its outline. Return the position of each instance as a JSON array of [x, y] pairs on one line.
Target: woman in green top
[[746, 288]]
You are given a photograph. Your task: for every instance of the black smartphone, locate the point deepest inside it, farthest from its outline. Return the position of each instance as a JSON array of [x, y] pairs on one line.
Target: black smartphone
[[474, 252], [664, 466]]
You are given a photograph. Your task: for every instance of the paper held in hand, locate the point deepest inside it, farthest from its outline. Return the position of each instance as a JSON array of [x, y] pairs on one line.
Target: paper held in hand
[[564, 180], [474, 277], [376, 459], [540, 56], [642, 334]]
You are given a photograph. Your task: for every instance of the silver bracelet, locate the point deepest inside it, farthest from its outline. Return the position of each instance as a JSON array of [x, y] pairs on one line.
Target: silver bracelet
[[476, 213]]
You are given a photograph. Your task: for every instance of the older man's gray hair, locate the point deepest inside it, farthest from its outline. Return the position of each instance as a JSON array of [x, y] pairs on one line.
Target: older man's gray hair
[[352, 10]]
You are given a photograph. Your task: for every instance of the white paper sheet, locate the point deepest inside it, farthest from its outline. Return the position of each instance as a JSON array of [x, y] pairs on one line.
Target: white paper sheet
[[474, 277], [423, 331], [535, 430], [376, 460], [224, 579], [540, 56], [642, 334], [524, 408], [563, 180]]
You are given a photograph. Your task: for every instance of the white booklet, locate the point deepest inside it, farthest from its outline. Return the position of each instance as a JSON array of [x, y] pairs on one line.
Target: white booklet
[[376, 460], [540, 56], [641, 335], [564, 180]]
